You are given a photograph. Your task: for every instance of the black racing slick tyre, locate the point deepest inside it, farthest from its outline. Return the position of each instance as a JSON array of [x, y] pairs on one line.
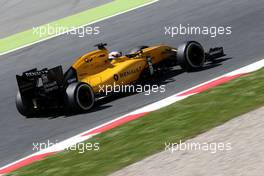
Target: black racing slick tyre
[[79, 97], [191, 56], [24, 106]]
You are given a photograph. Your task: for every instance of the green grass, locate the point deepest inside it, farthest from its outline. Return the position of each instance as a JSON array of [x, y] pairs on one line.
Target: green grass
[[140, 138], [86, 17]]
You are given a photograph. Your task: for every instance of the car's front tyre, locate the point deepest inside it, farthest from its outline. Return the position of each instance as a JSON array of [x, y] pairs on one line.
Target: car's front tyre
[[191, 56]]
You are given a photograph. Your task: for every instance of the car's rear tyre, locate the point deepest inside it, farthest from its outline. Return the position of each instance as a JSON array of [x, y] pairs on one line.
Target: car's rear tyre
[[191, 56], [79, 97], [24, 106]]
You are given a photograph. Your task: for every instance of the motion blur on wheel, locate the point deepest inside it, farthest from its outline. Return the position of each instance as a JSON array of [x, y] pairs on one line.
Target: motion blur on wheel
[[78, 88]]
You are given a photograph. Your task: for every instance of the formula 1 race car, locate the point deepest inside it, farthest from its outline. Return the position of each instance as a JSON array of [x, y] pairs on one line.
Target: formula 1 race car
[[78, 88]]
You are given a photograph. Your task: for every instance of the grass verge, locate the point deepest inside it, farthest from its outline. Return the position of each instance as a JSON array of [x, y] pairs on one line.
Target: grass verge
[[89, 16], [140, 138]]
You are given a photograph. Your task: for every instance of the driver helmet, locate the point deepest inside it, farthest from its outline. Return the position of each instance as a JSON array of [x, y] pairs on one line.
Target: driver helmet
[[115, 54]]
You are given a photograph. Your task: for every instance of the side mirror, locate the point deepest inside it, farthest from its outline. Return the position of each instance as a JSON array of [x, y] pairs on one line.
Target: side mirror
[[101, 46]]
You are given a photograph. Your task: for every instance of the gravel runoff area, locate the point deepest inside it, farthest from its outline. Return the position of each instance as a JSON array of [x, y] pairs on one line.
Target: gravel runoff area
[[245, 135]]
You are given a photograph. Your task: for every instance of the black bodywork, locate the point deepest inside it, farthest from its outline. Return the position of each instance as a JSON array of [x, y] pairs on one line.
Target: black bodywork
[[45, 87]]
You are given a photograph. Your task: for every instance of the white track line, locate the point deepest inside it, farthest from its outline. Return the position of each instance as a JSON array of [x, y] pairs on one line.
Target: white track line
[[149, 108], [96, 21]]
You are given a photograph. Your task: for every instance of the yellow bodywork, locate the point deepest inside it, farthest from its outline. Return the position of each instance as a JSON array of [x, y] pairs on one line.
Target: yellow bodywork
[[97, 70]]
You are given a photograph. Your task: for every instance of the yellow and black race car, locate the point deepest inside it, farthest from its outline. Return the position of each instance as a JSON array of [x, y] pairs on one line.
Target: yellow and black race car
[[79, 87]]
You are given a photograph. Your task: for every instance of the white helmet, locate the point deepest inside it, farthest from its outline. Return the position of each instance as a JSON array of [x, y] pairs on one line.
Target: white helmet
[[115, 54]]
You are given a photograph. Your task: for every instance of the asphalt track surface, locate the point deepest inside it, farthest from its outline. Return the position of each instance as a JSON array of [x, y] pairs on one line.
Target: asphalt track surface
[[142, 26], [18, 15]]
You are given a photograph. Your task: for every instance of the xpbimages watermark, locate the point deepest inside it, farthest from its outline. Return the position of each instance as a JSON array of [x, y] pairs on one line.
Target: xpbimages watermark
[[212, 31], [56, 29], [211, 147], [146, 89], [81, 147]]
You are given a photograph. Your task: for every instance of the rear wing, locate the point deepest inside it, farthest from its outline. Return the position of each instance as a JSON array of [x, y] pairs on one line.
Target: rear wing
[[46, 79]]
